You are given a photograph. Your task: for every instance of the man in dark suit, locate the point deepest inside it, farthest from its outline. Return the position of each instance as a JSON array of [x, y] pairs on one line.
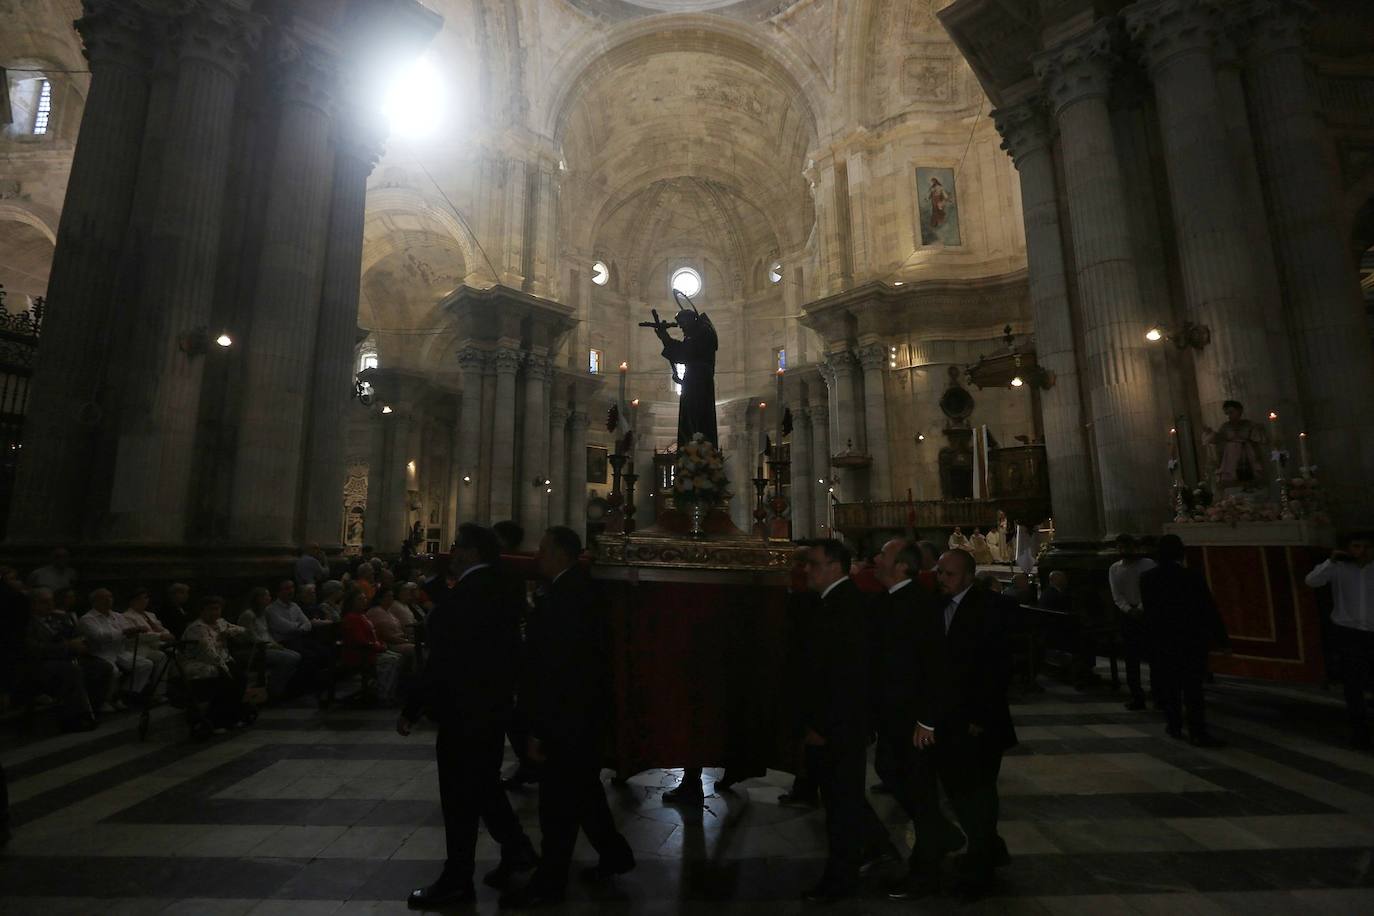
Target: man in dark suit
[[466, 688], [963, 727], [1181, 625], [835, 712], [570, 710]]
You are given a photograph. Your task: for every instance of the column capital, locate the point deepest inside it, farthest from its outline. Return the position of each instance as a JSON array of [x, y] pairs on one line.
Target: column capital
[[579, 419], [506, 360], [1025, 128], [307, 74], [820, 414], [538, 368], [838, 362], [1263, 27], [1164, 29], [559, 415], [1081, 68], [472, 359], [116, 33], [874, 356], [220, 35]]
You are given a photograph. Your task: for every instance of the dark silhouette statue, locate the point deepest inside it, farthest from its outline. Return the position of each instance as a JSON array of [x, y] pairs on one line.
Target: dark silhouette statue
[[696, 354]]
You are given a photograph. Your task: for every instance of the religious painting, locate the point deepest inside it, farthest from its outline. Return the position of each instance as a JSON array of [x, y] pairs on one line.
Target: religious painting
[[596, 464], [938, 205]]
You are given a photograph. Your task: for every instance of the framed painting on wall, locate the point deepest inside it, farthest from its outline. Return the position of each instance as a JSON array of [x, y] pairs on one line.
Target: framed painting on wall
[[938, 206], [596, 464]]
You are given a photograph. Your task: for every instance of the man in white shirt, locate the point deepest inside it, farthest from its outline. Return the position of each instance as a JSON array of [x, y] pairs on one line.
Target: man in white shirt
[[310, 567], [56, 576], [1124, 578], [290, 627], [1350, 573]]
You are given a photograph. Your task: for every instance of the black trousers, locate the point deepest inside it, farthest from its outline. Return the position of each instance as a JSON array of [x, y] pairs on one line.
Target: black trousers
[[1356, 648], [1133, 648], [1178, 676], [852, 827], [911, 776], [967, 769], [571, 797], [470, 788]]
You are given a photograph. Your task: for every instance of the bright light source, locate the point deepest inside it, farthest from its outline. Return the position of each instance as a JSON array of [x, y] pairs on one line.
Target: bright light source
[[1154, 334], [386, 408], [898, 283], [467, 478], [415, 103], [1273, 415], [920, 437], [224, 340], [548, 489], [1017, 382]]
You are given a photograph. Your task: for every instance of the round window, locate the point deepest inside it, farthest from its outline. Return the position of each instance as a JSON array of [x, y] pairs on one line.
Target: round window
[[601, 274], [775, 272], [686, 281]]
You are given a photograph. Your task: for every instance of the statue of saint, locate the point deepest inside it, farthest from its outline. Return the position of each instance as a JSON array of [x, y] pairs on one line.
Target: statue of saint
[[1236, 449], [695, 354]]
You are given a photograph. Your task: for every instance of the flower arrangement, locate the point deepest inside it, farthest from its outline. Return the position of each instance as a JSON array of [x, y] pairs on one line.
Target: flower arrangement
[[699, 473], [1301, 499]]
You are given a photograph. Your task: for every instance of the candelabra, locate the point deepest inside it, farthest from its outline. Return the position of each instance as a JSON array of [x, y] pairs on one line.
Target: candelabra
[[760, 511], [615, 518], [630, 481], [779, 502]]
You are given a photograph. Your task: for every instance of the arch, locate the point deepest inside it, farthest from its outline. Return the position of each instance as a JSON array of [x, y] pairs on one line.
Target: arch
[[410, 203], [40, 218]]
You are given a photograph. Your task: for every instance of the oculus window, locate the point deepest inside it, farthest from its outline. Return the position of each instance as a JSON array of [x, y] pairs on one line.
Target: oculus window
[[687, 281], [601, 274], [775, 272]]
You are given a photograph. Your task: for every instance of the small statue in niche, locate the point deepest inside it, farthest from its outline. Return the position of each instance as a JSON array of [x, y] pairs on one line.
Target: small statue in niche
[[1234, 450]]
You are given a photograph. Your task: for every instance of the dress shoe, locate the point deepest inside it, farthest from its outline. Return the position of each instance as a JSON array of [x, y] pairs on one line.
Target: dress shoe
[[606, 870], [1205, 740], [1136, 705], [829, 892], [440, 894], [529, 897], [685, 794], [521, 858]]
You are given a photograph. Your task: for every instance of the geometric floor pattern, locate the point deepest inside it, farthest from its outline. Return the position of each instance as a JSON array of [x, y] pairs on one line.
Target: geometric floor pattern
[[333, 813]]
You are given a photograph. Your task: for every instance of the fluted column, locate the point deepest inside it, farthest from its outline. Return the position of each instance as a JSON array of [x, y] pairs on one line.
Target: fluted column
[[874, 357], [506, 362], [150, 500], [1216, 262], [559, 465], [803, 481], [50, 486], [535, 442], [471, 363], [1026, 136], [286, 301], [577, 471], [1325, 310], [359, 146], [1130, 433], [846, 431], [820, 467]]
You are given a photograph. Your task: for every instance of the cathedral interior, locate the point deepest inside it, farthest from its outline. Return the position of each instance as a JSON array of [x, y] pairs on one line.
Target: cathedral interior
[[354, 272]]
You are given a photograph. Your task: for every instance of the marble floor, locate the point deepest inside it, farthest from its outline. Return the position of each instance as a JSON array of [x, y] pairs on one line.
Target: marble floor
[[310, 813]]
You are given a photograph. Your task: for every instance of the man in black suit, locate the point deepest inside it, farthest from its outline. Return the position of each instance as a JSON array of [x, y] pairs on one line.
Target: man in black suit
[[1181, 625], [466, 688], [835, 712], [570, 710], [963, 727]]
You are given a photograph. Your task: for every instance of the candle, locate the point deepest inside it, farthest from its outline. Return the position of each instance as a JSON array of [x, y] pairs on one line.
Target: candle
[[777, 440], [1302, 451], [624, 368], [1173, 442], [634, 414]]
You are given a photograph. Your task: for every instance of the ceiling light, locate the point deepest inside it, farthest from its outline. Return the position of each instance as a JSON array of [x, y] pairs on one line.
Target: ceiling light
[[898, 283], [386, 408], [1017, 382], [224, 340], [1154, 334], [415, 102]]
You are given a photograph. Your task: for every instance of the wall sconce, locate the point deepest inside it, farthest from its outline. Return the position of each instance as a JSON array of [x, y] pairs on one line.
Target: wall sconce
[[196, 342], [542, 482], [1190, 335], [920, 437], [1017, 381], [386, 408], [467, 480]]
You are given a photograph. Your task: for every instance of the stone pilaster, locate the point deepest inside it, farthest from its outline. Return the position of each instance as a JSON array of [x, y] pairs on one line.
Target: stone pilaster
[[738, 470], [150, 497], [1335, 365], [1217, 264], [51, 482], [820, 467], [359, 146], [535, 444], [286, 301], [1130, 434], [845, 430], [506, 362], [577, 471], [471, 363], [874, 358], [1027, 136], [803, 481], [559, 465]]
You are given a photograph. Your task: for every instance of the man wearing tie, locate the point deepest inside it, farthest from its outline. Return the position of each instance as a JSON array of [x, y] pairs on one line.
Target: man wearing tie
[[835, 713], [467, 688], [570, 709], [963, 727]]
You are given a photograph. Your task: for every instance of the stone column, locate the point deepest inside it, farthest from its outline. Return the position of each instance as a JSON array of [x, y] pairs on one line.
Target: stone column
[[1176, 37], [149, 499], [820, 467], [874, 357], [738, 469], [845, 431], [50, 486], [1335, 365], [1027, 137], [506, 362], [535, 444], [577, 471], [286, 302], [1130, 434], [559, 466], [803, 481], [359, 146], [471, 363]]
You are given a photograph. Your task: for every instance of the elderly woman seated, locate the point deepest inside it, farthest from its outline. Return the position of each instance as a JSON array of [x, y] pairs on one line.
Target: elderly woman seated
[[60, 664], [214, 676], [363, 649], [330, 608], [113, 638], [151, 633], [389, 624]]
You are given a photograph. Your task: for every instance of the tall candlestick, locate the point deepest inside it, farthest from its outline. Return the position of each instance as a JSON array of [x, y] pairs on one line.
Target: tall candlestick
[[777, 440], [624, 370], [1302, 452], [634, 415]]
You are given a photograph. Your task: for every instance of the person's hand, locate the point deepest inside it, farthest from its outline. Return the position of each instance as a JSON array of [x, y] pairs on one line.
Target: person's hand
[[403, 726], [534, 748], [813, 739], [975, 730], [923, 737]]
